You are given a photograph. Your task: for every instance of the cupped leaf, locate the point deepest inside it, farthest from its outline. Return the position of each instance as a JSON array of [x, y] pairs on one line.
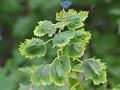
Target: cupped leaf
[[63, 38], [59, 69], [45, 27], [94, 70], [32, 48], [42, 75]]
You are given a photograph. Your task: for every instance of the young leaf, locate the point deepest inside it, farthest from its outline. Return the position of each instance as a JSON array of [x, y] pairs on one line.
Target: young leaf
[[75, 19], [45, 27], [60, 68], [42, 75], [94, 70], [63, 38], [32, 48], [83, 15]]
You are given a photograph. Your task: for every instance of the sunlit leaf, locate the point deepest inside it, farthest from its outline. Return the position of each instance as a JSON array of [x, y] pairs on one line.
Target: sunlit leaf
[[75, 19], [60, 68], [94, 70], [32, 48], [42, 75], [63, 38], [45, 27]]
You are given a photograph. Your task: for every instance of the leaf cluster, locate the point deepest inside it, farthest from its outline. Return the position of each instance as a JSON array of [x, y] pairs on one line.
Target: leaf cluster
[[71, 39]]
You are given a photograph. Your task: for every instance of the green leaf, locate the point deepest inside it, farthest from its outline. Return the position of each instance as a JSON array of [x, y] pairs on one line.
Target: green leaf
[[45, 27], [94, 70], [77, 45], [75, 24], [32, 48], [78, 68], [61, 24], [83, 15], [74, 50], [63, 38], [80, 32], [81, 36], [42, 75], [60, 68], [75, 19]]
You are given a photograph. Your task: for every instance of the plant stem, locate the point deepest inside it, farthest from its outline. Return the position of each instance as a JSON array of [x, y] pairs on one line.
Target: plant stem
[[54, 61], [77, 59], [48, 41], [80, 84], [58, 53], [74, 86]]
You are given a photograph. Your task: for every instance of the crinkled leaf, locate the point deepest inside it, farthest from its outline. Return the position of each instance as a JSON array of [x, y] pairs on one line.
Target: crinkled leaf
[[60, 68], [62, 38], [75, 19], [32, 48], [74, 50], [77, 46], [45, 27], [81, 36], [94, 70], [42, 75]]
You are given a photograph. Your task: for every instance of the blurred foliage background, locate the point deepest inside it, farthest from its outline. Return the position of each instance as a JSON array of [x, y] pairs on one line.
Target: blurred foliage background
[[18, 19]]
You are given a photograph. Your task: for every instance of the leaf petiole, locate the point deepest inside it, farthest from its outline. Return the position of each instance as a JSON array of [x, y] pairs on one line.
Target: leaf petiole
[[48, 41]]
